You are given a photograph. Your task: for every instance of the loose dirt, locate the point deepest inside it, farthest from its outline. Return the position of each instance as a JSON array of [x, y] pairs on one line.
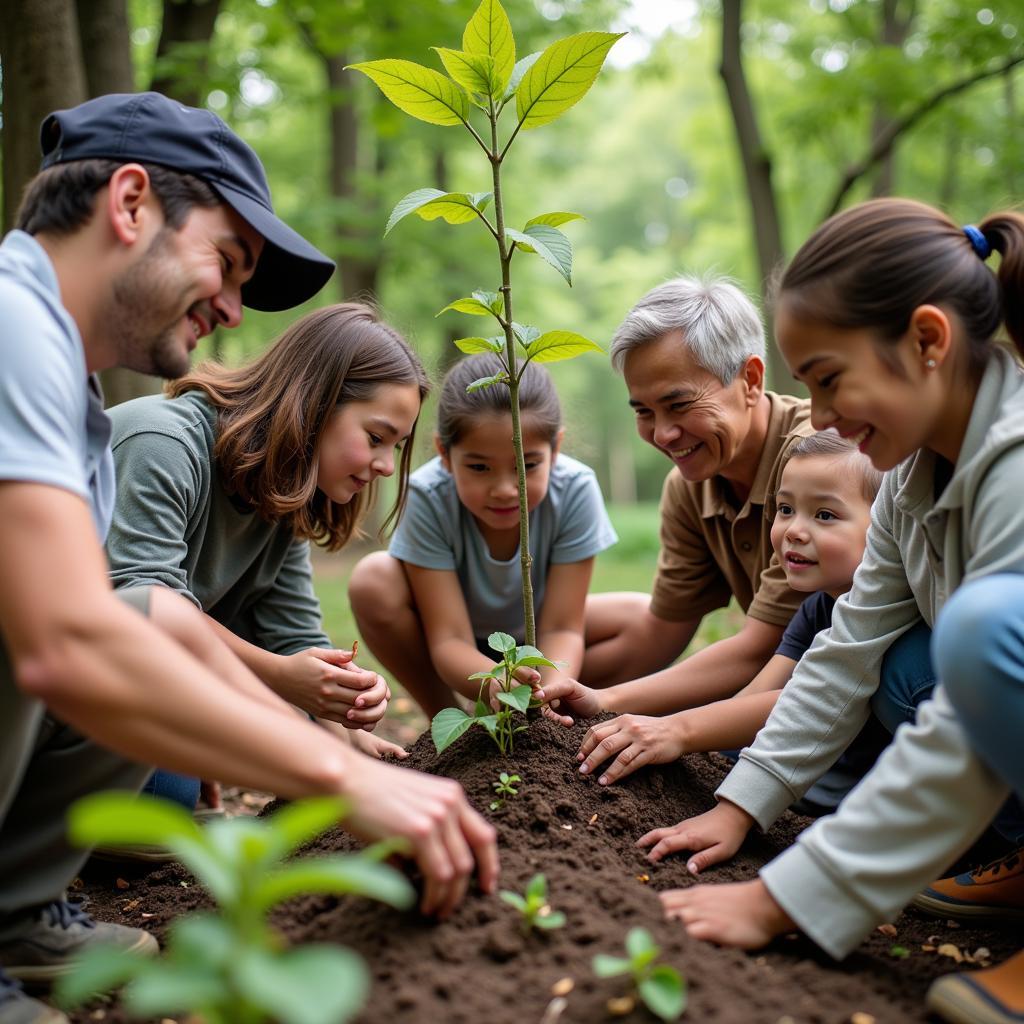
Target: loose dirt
[[480, 966]]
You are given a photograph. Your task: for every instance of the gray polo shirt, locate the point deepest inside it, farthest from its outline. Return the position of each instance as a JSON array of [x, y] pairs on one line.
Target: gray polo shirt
[[53, 429]]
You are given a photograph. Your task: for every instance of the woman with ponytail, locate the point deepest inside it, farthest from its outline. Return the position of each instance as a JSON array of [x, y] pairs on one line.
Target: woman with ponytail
[[890, 314]]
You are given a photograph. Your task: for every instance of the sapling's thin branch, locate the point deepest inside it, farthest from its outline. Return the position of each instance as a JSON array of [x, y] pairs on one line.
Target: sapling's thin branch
[[480, 142], [505, 254], [487, 224], [511, 139]]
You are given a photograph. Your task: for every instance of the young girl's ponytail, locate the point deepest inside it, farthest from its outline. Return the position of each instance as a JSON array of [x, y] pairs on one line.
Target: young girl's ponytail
[[1004, 232]]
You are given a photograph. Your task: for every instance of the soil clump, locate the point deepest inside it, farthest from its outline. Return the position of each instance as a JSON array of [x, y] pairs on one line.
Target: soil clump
[[480, 966]]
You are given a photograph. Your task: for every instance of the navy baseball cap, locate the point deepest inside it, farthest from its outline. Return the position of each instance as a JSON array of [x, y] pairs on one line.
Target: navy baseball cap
[[150, 128]]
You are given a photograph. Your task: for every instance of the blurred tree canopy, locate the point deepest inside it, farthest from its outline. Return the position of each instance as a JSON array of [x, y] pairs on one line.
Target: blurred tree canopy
[[713, 142]]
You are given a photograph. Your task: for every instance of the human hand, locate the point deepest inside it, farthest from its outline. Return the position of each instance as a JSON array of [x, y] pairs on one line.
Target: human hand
[[633, 740], [376, 746], [714, 836], [328, 684], [445, 834], [743, 914], [564, 697]]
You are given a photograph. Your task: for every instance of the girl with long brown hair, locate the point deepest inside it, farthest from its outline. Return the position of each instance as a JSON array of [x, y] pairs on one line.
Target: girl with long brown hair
[[225, 481]]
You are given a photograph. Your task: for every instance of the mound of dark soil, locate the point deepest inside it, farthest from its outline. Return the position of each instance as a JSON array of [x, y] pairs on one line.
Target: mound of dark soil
[[479, 966]]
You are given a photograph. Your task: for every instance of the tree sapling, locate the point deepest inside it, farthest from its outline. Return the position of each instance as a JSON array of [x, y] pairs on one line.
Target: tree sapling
[[485, 75], [533, 907], [229, 966], [505, 786], [659, 986]]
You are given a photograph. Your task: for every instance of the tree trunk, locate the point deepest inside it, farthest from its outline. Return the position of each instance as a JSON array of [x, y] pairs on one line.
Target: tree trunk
[[894, 31], [757, 169], [104, 33], [185, 39], [42, 71], [357, 273]]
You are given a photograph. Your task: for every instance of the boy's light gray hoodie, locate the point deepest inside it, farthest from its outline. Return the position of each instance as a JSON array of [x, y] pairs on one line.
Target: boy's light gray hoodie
[[929, 796]]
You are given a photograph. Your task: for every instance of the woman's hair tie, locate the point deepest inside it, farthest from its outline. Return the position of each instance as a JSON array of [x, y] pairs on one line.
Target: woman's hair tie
[[978, 241]]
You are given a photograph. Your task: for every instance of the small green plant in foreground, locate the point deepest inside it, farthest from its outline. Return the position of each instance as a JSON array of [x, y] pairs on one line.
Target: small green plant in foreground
[[512, 697], [505, 786], [229, 966], [533, 906], [660, 987]]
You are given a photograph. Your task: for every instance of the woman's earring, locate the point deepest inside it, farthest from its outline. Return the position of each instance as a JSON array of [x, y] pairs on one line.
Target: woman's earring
[[930, 363]]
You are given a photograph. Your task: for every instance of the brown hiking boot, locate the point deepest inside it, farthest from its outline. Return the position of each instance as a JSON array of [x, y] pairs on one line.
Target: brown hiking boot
[[992, 996], [995, 891]]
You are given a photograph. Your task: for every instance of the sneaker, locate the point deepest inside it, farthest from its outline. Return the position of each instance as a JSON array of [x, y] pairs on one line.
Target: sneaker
[[995, 891], [39, 949], [18, 1008], [992, 996], [132, 852]]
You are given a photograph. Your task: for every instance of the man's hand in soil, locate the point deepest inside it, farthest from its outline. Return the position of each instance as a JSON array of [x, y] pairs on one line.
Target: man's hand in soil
[[714, 836], [564, 698], [445, 834], [743, 914], [633, 740], [326, 683]]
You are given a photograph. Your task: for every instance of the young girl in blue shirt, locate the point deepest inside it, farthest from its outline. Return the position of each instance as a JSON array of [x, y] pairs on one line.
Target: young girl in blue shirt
[[452, 573]]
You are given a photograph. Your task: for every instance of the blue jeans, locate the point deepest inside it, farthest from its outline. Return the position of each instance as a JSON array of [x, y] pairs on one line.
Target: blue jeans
[[978, 647], [182, 789]]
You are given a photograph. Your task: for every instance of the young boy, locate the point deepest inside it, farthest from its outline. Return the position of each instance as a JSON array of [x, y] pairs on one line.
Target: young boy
[[823, 508]]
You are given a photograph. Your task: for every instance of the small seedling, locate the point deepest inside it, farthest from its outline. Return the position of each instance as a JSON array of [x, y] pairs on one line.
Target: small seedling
[[513, 697], [660, 987], [899, 952], [505, 786], [533, 906], [229, 966]]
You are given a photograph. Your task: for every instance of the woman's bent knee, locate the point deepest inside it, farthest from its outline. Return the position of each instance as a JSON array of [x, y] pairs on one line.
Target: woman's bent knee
[[377, 583]]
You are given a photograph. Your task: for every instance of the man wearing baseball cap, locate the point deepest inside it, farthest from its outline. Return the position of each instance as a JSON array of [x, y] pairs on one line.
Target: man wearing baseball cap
[[150, 224]]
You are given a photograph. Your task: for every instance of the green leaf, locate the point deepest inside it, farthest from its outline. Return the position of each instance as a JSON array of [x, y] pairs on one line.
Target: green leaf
[[203, 939], [489, 33], [663, 993], [513, 899], [166, 988], [431, 203], [312, 985], [497, 672], [502, 643], [518, 697], [605, 966], [486, 382], [303, 820], [639, 943], [525, 333], [481, 200], [537, 888], [472, 306], [548, 243], [471, 346], [473, 71], [554, 220], [527, 655], [112, 818], [339, 874], [97, 971], [518, 72], [555, 346], [489, 722], [556, 919], [421, 92], [494, 301], [561, 76], [448, 725]]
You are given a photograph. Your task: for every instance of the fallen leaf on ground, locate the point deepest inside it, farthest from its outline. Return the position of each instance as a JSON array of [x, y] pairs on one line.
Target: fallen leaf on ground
[[122, 884], [643, 878], [563, 987], [131, 905], [889, 930], [861, 1018], [593, 818], [948, 949]]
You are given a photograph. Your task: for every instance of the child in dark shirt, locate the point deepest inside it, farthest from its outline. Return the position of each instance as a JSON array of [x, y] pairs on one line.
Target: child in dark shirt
[[823, 508]]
